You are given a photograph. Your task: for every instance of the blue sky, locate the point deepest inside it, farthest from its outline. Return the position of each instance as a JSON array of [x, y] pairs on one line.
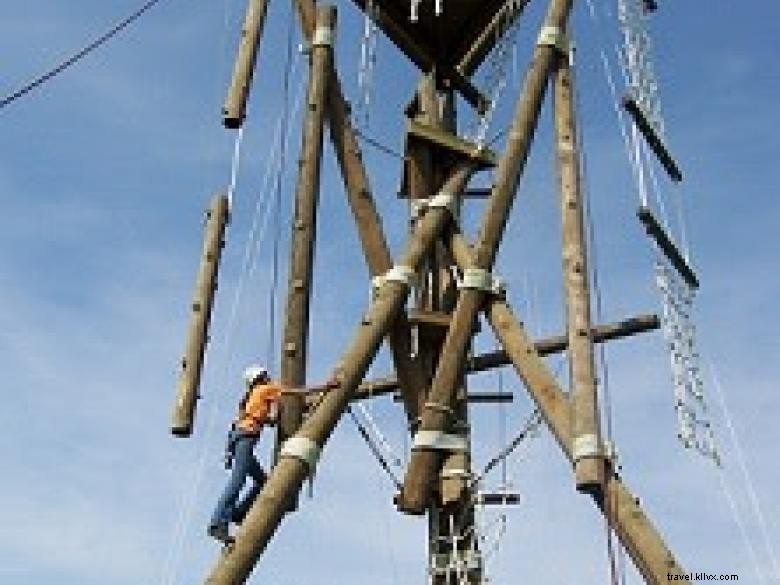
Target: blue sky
[[104, 175]]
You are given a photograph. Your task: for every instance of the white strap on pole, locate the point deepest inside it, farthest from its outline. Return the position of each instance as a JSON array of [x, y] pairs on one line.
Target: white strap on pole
[[483, 280], [323, 37], [303, 449], [439, 441], [553, 36], [586, 447]]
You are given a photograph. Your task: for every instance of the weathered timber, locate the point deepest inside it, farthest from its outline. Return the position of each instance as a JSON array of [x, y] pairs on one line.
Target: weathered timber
[[634, 529], [369, 225], [424, 463], [234, 110], [304, 230], [588, 460], [197, 335], [287, 477]]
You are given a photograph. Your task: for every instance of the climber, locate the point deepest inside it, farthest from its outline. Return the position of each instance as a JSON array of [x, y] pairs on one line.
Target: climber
[[259, 407]]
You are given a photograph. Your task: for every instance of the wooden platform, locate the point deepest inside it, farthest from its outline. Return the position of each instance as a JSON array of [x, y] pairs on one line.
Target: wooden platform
[[442, 40]]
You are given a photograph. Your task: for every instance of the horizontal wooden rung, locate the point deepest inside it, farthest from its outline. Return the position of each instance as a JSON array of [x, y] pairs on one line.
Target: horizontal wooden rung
[[453, 143], [652, 138], [667, 246]]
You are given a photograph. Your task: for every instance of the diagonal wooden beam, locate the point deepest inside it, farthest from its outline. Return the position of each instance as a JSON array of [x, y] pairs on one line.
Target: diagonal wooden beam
[[298, 456], [621, 508], [425, 461], [369, 225]]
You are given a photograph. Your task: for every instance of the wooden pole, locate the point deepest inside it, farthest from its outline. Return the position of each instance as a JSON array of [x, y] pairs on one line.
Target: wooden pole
[[361, 202], [424, 462], [288, 475], [304, 229], [197, 335], [544, 347], [634, 529], [234, 110], [588, 458]]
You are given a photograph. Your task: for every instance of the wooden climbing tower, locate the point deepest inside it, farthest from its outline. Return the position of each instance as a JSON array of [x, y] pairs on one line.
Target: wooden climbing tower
[[426, 302]]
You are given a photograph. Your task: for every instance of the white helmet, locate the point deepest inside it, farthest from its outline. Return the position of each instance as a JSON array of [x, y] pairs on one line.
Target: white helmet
[[252, 373]]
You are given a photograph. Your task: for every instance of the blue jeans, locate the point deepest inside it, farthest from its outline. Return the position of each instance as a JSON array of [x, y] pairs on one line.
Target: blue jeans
[[244, 465]]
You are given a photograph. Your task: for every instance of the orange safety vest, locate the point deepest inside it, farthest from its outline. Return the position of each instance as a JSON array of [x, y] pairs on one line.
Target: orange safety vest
[[257, 407]]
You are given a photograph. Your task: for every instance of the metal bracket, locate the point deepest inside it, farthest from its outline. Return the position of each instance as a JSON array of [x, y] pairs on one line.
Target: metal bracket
[[439, 441], [552, 36], [303, 449], [483, 280], [323, 37], [586, 447]]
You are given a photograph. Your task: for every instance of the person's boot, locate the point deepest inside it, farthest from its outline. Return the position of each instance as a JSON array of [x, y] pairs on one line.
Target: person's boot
[[221, 533]]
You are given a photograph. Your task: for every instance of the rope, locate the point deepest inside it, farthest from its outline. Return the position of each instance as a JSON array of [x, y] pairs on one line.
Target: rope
[[255, 237], [378, 145], [752, 496], [616, 562], [234, 166], [740, 525], [374, 448], [531, 424], [78, 55], [271, 350]]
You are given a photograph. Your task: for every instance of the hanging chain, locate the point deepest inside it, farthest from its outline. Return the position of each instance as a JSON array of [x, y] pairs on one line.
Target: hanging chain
[[695, 428], [496, 75], [368, 52], [637, 55]]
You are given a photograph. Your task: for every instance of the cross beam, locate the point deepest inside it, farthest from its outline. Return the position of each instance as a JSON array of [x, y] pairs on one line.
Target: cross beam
[[296, 462], [544, 347], [419, 480]]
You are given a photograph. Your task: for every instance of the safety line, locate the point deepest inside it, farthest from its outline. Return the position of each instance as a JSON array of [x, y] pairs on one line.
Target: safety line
[[79, 55]]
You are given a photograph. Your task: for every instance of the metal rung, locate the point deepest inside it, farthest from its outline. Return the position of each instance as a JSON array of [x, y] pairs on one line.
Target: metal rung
[[667, 246], [652, 138], [490, 397], [650, 5], [477, 193], [498, 499]]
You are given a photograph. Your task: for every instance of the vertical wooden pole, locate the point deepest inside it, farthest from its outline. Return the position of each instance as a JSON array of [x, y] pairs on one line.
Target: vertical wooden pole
[[588, 456], [304, 228], [234, 110], [621, 508], [361, 202], [288, 475], [424, 462], [197, 335]]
